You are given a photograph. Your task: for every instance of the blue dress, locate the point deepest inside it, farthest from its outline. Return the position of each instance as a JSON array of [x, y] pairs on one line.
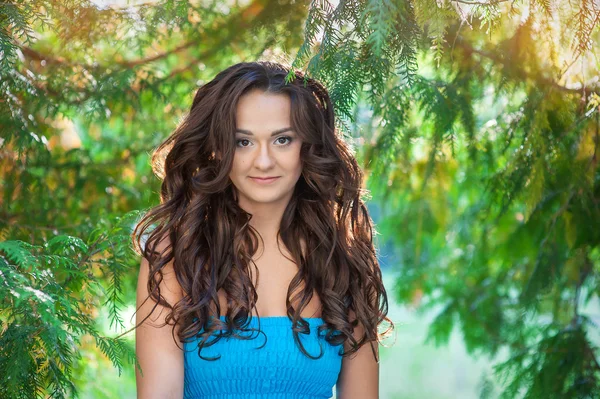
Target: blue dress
[[277, 370]]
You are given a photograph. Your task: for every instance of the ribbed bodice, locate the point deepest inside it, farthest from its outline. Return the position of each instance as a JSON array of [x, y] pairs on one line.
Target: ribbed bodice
[[277, 370]]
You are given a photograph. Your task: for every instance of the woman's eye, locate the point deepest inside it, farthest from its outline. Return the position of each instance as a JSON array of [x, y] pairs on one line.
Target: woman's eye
[[285, 138], [240, 142]]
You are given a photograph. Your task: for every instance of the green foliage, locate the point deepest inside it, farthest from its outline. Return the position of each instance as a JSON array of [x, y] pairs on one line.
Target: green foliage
[[48, 295], [477, 123], [486, 161]]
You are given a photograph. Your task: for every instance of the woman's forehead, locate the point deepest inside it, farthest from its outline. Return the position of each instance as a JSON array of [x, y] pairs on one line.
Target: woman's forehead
[[262, 113]]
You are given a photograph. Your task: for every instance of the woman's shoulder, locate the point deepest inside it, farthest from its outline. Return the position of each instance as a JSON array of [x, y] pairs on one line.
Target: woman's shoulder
[[170, 288]]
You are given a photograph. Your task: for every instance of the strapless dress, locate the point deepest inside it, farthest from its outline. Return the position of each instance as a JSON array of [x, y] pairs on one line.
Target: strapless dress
[[277, 370]]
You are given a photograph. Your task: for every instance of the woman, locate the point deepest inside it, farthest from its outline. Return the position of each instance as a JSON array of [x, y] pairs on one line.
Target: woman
[[259, 277]]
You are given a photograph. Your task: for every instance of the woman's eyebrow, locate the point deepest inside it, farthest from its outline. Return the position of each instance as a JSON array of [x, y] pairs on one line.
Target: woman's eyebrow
[[276, 132]]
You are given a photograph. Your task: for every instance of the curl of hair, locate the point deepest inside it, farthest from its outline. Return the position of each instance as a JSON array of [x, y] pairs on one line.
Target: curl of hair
[[211, 242]]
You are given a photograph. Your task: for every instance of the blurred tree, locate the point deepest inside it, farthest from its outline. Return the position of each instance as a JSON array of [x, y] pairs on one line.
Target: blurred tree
[[88, 90], [477, 121]]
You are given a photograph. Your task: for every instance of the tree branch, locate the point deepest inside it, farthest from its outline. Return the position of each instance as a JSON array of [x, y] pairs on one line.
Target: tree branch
[[244, 19], [57, 60], [482, 3], [524, 75]]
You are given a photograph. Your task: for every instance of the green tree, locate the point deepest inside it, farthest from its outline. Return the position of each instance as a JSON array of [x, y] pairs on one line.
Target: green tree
[[477, 124]]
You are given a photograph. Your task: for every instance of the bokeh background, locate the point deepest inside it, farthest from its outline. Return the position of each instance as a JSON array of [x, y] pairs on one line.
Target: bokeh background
[[477, 124]]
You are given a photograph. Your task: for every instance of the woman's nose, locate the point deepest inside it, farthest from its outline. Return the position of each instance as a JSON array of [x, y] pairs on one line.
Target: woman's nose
[[264, 158]]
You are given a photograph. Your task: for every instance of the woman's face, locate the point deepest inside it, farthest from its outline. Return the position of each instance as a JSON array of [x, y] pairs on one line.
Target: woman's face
[[265, 146]]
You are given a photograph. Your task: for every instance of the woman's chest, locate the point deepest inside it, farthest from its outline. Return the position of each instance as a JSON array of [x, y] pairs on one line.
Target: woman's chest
[[275, 276]]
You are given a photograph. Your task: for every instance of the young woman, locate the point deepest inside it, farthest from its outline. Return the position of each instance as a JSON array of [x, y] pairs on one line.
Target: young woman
[[259, 277]]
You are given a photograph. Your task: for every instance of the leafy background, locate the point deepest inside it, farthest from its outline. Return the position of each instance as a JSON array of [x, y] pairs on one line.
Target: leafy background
[[477, 124]]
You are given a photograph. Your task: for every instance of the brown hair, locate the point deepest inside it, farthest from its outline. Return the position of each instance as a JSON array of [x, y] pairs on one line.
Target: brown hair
[[212, 241]]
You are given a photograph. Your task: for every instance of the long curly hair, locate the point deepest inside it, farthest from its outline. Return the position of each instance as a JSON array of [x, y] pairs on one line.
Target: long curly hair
[[211, 240]]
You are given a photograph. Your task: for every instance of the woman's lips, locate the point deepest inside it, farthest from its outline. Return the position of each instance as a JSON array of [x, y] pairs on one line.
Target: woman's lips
[[264, 181]]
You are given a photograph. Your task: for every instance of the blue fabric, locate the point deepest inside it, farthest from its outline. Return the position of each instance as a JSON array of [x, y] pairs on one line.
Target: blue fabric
[[277, 370]]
